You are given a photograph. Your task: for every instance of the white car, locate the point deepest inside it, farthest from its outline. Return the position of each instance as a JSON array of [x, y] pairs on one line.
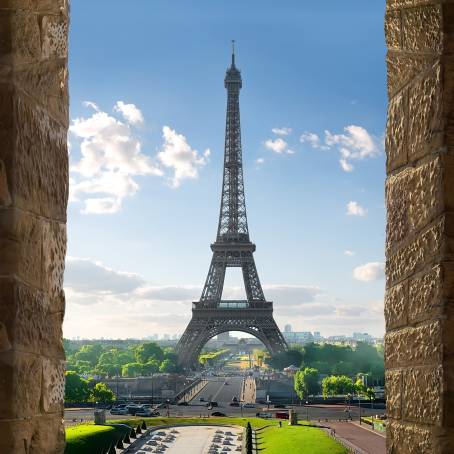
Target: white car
[[249, 405], [119, 411]]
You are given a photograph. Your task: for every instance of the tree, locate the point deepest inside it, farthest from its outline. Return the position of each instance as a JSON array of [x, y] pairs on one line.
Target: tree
[[283, 359], [167, 366], [148, 351], [151, 367], [131, 370], [76, 388], [360, 389], [306, 382], [102, 393], [337, 385], [89, 353]]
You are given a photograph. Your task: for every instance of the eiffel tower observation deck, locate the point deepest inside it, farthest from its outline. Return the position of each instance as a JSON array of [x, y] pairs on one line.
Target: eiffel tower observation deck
[[233, 248]]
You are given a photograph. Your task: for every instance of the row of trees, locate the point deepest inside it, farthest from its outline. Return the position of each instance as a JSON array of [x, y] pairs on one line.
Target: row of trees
[[77, 389], [209, 358], [307, 383], [335, 360], [127, 361]]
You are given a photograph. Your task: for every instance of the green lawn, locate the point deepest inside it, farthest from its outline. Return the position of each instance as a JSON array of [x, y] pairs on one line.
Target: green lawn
[[88, 438], [298, 439], [301, 439]]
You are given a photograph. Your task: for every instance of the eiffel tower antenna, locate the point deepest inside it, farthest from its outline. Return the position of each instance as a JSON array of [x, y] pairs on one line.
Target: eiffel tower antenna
[[233, 248]]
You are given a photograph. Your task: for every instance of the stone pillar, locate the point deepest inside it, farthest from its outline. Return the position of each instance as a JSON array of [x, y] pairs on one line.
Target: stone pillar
[[419, 301], [33, 199]]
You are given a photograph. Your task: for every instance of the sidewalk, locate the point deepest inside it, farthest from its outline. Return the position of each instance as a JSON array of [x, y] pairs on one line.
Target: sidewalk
[[366, 440]]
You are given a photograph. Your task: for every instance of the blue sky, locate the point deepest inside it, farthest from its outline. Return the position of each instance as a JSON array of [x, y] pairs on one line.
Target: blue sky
[[146, 160]]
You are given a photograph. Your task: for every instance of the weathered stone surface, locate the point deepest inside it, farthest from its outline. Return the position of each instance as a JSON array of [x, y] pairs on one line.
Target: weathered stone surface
[[422, 29], [421, 345], [54, 33], [403, 67], [5, 197], [425, 115], [54, 251], [41, 162], [20, 384], [413, 256], [16, 436], [425, 293], [422, 395], [414, 199], [396, 306], [20, 246], [396, 127], [30, 320], [393, 29], [407, 438], [47, 432], [53, 385], [394, 391]]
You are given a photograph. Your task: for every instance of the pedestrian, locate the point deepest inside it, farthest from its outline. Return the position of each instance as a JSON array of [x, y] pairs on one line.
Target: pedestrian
[[280, 424]]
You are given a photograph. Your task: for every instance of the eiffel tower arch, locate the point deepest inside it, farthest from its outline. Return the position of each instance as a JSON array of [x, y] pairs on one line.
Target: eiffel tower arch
[[211, 315]]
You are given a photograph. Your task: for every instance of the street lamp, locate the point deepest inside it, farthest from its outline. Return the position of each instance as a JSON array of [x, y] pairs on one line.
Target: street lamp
[[307, 411], [168, 402]]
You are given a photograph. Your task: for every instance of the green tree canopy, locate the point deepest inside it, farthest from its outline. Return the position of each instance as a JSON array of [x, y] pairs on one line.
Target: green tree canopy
[[306, 382], [167, 366], [102, 393], [337, 386], [76, 388], [131, 370], [148, 351]]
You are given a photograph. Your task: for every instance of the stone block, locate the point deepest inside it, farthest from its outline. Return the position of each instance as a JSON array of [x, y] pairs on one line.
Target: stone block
[[393, 29], [20, 246], [396, 127], [407, 438], [54, 251], [403, 67], [54, 36], [16, 436], [393, 382], [417, 346], [396, 306], [5, 197], [47, 431], [425, 295], [423, 395], [414, 199], [425, 129], [29, 318], [20, 384], [47, 82], [416, 253], [422, 29], [53, 385], [40, 182]]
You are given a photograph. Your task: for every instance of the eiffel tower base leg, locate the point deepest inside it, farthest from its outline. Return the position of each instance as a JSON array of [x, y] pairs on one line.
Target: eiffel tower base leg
[[206, 324]]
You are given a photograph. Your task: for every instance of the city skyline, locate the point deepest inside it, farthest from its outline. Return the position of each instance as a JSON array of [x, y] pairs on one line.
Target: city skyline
[[144, 154]]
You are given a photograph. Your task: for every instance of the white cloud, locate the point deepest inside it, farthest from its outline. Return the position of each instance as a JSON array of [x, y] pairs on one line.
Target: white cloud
[[349, 253], [259, 161], [278, 146], [282, 131], [130, 112], [178, 155], [371, 271], [355, 209], [311, 138], [111, 158], [91, 104], [356, 143]]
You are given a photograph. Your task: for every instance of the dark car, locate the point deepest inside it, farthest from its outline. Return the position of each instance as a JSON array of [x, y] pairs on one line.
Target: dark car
[[234, 399], [185, 404], [202, 399], [279, 406], [217, 413], [212, 404], [234, 404]]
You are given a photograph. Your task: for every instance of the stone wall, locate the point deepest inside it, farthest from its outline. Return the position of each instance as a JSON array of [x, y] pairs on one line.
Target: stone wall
[[33, 199], [420, 226]]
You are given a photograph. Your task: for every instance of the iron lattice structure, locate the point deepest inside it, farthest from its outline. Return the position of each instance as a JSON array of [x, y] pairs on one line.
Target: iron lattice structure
[[233, 248]]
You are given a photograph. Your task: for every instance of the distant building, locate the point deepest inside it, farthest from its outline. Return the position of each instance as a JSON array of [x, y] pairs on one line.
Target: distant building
[[317, 335], [225, 337], [287, 328], [363, 337], [295, 337]]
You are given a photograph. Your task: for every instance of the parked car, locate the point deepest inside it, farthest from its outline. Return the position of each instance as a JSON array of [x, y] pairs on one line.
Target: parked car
[[234, 399], [212, 404], [262, 414], [279, 406], [217, 413], [161, 405], [118, 411], [234, 404], [202, 399], [134, 408], [146, 412], [184, 403], [249, 405]]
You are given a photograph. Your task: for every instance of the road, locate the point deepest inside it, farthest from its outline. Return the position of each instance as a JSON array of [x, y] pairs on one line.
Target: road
[[220, 389]]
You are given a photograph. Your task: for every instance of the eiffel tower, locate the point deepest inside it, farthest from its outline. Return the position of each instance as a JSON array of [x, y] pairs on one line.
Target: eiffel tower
[[211, 315]]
